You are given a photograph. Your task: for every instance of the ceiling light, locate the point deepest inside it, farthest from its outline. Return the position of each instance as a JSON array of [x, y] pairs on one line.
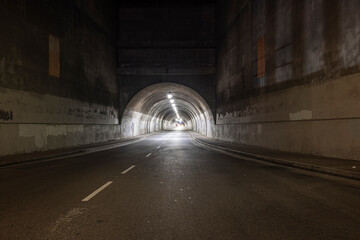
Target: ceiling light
[[169, 96], [173, 104], [172, 101]]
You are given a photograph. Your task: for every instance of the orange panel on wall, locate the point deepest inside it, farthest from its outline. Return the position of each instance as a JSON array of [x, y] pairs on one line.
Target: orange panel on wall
[[54, 56], [261, 57]]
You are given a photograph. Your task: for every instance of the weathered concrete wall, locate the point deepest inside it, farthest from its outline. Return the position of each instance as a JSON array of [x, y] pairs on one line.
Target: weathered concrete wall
[[27, 138], [299, 91], [284, 73], [167, 43], [58, 84]]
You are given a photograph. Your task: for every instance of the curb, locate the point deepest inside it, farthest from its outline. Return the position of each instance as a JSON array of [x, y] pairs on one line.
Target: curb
[[70, 153], [305, 166]]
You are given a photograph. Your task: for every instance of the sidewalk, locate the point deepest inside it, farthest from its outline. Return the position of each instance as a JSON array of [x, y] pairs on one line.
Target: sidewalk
[[333, 166], [67, 152]]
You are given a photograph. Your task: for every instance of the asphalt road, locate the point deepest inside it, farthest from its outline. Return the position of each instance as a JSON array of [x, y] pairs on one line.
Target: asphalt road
[[180, 191]]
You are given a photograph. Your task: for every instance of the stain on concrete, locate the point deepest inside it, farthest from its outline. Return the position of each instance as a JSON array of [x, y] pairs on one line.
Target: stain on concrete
[[56, 130], [6, 115], [301, 115], [35, 131]]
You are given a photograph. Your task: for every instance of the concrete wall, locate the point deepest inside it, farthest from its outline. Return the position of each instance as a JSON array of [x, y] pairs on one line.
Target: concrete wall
[[169, 42], [307, 100], [58, 84]]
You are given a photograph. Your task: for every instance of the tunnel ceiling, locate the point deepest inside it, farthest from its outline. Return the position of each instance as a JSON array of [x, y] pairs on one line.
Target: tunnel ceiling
[[152, 110], [163, 3]]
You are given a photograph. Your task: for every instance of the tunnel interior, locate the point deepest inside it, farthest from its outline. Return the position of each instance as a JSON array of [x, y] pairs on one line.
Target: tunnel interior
[[278, 75], [164, 106]]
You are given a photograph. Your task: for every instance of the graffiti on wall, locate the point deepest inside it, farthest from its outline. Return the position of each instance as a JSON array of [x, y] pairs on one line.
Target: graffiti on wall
[[6, 115]]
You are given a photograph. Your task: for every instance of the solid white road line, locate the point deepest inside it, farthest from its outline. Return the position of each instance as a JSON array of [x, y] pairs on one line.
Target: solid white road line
[[96, 192], [148, 155], [128, 169]]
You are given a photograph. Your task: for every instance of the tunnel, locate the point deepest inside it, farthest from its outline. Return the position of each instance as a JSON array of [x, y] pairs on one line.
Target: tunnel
[[180, 119], [158, 106]]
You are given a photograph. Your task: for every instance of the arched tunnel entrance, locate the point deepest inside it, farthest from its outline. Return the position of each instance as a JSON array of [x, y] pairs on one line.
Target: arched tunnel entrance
[[161, 106]]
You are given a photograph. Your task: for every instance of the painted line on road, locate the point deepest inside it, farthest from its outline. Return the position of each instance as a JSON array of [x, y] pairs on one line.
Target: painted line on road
[[158, 147], [124, 172], [148, 155], [96, 192]]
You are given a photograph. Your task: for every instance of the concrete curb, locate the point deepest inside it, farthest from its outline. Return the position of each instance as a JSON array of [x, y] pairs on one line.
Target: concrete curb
[[71, 153], [305, 166]]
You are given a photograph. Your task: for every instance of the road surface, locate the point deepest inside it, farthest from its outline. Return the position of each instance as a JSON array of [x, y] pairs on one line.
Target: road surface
[[165, 187]]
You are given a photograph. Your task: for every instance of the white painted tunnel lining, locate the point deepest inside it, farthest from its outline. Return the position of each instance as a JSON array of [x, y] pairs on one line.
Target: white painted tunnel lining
[[150, 110]]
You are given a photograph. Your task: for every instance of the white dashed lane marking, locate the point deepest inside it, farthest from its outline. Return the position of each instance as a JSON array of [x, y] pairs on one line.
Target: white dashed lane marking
[[96, 192], [124, 172]]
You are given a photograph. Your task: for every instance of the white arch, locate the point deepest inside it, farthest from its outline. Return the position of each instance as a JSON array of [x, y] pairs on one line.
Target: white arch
[[150, 110]]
